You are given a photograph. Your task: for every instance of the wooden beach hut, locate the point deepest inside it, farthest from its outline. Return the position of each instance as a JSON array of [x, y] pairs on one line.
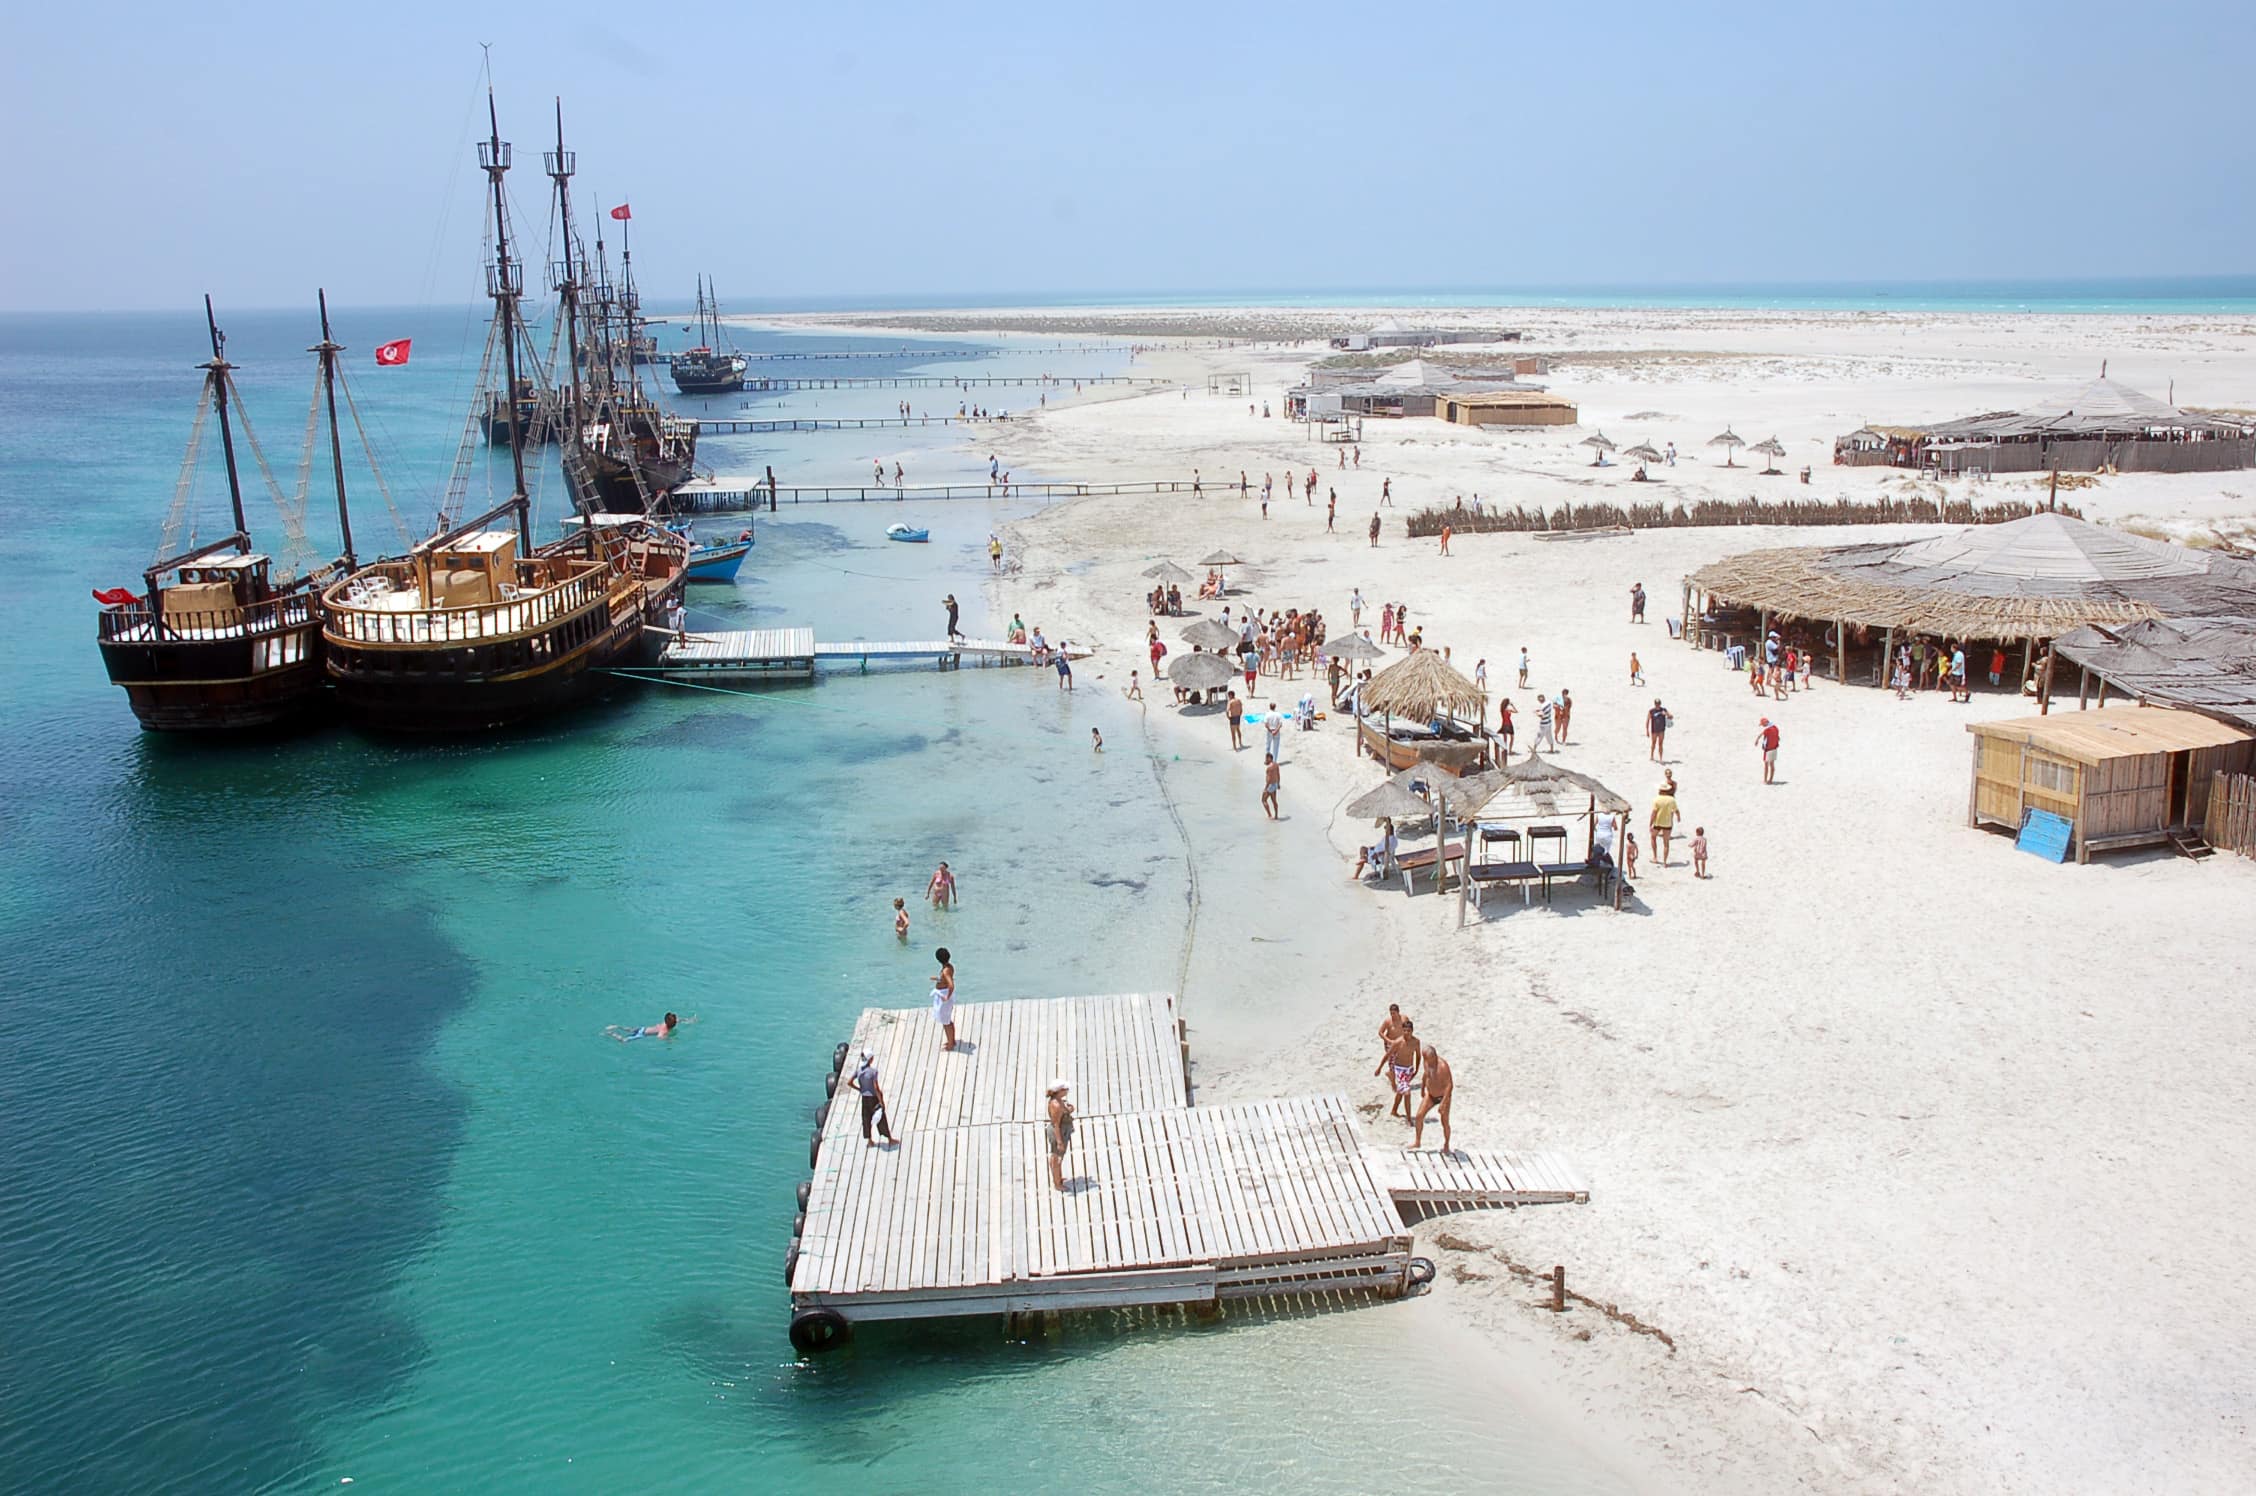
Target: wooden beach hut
[[2139, 777]]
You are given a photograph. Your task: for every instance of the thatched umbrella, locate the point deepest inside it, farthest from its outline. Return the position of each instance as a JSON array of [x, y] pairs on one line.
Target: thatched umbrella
[[1212, 633], [1392, 798], [1222, 559], [1168, 571], [1773, 448], [1201, 672], [1352, 647], [1643, 452], [1728, 440], [1421, 686], [1603, 445], [1536, 790]]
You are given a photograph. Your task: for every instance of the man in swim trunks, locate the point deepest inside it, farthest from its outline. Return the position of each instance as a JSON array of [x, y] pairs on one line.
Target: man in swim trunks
[[1402, 1068], [873, 1100], [1269, 773], [1440, 1085], [1389, 1026], [1235, 711], [1057, 1131], [664, 1030]]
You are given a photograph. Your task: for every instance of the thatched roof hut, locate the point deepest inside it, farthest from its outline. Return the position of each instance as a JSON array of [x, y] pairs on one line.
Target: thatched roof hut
[[1421, 687], [2032, 578]]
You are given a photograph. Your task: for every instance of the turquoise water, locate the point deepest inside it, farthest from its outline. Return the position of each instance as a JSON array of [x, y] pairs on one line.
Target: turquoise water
[[318, 1165]]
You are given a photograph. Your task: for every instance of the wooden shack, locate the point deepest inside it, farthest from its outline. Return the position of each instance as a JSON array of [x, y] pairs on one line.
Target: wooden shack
[[1505, 408], [2130, 778]]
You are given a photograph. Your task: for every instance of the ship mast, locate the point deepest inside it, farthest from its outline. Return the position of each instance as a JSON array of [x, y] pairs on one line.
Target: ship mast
[[223, 390], [559, 164], [504, 283], [328, 348]]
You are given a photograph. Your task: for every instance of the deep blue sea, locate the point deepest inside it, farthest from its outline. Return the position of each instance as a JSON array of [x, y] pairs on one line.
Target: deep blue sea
[[317, 1166]]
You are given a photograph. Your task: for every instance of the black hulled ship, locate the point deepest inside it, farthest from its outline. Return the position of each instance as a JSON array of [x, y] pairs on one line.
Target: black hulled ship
[[711, 368]]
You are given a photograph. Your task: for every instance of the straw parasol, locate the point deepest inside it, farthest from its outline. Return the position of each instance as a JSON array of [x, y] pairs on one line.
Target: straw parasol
[[1770, 447], [1168, 571], [1421, 687], [1602, 443], [1353, 647], [1211, 633], [1536, 790], [1392, 798], [1201, 672], [1643, 452], [1224, 560], [1728, 440]]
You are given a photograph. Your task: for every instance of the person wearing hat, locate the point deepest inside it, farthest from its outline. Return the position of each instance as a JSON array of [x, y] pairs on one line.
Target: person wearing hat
[[873, 1100], [1057, 1133]]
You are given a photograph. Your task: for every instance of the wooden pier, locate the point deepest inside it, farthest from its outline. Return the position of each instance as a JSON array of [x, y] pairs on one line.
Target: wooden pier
[[1165, 1202], [737, 492], [794, 654], [766, 426], [957, 382]]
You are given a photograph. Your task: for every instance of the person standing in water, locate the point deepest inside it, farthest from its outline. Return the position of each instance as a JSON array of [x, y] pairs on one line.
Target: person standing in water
[[1057, 1131], [901, 920], [944, 997], [662, 1030], [942, 889]]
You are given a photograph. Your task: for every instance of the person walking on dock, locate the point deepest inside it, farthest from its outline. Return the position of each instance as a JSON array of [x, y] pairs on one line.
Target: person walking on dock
[[1440, 1085], [944, 997], [1057, 1131], [878, 469], [949, 602], [873, 1101]]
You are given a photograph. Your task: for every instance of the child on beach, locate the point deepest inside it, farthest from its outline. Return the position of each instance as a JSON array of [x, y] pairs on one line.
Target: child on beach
[[1523, 667], [1096, 741], [900, 919], [1699, 851], [1636, 670]]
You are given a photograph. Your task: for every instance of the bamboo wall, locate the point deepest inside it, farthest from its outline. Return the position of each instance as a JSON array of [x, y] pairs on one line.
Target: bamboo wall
[[2010, 778], [2229, 822], [2126, 797]]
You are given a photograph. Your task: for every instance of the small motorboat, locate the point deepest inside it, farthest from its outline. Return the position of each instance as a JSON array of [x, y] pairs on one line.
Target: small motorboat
[[899, 531], [717, 562]]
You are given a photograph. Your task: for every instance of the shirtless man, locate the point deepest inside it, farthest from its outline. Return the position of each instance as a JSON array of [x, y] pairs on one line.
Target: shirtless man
[[1402, 1066], [661, 1030], [1440, 1084], [1389, 1027]]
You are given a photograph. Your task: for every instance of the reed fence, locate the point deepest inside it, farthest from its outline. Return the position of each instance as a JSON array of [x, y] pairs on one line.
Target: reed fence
[[1710, 513], [2230, 824]]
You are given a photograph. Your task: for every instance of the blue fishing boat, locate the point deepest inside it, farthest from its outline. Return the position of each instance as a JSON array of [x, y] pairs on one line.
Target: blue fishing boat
[[718, 562], [899, 531]]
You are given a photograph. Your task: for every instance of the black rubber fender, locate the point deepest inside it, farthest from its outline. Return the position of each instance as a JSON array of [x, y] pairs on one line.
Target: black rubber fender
[[838, 1056], [818, 1329], [821, 1114], [790, 1261], [830, 1085], [814, 1147], [799, 1225], [1422, 1272], [806, 1188]]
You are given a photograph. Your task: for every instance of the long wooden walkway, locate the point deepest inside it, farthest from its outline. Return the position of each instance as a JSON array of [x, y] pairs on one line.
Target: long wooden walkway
[[794, 653], [958, 381], [1165, 1202], [730, 492], [769, 426]]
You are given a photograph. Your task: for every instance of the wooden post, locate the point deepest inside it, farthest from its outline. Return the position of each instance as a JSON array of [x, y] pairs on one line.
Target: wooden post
[[1888, 656], [1559, 1290], [2028, 658], [2083, 686], [1841, 650]]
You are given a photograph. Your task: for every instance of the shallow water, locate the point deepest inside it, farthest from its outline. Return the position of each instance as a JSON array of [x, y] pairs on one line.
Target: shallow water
[[319, 1165]]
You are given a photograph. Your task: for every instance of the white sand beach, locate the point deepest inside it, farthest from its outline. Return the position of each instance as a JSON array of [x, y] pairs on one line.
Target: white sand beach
[[1918, 1163]]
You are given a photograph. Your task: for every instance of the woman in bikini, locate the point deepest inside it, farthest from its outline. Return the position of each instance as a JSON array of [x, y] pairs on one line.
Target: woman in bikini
[[1057, 1132]]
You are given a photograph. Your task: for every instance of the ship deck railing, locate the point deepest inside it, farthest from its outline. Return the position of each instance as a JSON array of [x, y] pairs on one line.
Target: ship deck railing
[[354, 622], [138, 625]]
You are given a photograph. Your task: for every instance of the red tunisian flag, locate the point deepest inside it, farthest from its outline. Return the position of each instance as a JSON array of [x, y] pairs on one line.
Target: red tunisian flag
[[622, 212], [394, 352], [114, 597]]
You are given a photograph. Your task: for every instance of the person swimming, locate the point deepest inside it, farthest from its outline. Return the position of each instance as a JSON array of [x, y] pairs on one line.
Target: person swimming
[[664, 1030]]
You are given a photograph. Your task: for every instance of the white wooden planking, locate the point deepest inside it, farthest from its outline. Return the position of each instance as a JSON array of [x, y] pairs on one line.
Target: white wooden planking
[[1429, 1176]]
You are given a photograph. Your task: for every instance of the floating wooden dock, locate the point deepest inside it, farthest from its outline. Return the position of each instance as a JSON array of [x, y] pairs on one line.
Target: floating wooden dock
[[1166, 1202], [794, 654], [769, 426], [733, 492]]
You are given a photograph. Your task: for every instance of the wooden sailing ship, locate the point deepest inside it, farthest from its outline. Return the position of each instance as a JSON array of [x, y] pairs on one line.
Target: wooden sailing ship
[[475, 628], [711, 368], [215, 643], [635, 453]]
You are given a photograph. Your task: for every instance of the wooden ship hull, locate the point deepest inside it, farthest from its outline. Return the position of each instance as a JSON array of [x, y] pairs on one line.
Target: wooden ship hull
[[613, 479], [193, 677], [540, 422], [1449, 755], [720, 374]]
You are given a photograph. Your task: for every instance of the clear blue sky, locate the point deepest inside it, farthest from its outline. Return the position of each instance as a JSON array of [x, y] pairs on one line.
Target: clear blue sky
[[978, 148]]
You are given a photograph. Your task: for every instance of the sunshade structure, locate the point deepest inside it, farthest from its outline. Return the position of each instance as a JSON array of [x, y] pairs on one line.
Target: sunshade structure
[[1420, 686], [1222, 561], [2207, 665], [1392, 798], [1168, 571], [1539, 791], [1599, 441], [1201, 672], [2033, 578], [1773, 448], [1353, 647], [1730, 441], [1211, 633], [1643, 452], [2102, 423]]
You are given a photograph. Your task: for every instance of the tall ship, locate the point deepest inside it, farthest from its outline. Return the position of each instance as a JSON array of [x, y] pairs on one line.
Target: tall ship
[[476, 628], [216, 642], [711, 368], [634, 452], [533, 405]]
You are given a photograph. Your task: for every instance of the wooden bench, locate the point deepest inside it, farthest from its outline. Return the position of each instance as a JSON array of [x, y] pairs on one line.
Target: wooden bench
[[1522, 873], [1408, 863]]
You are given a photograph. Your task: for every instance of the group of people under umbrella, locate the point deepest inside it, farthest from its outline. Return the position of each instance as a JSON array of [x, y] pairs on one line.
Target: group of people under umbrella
[[1645, 452], [1169, 580]]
